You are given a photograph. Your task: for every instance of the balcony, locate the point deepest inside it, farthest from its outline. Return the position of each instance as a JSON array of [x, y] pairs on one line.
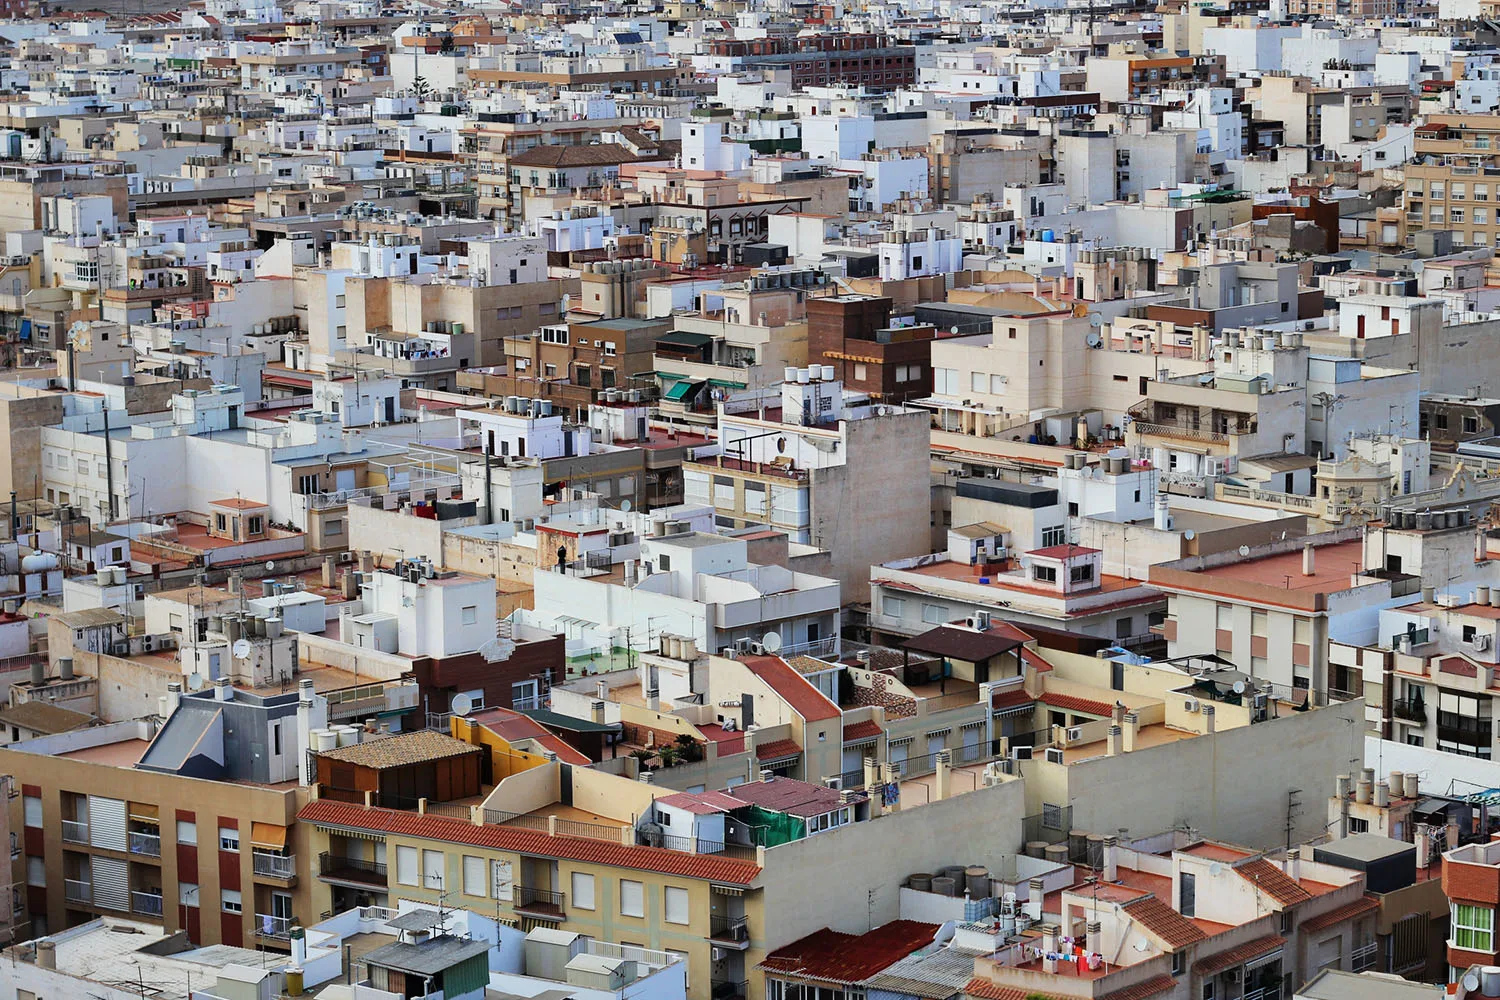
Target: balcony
[[268, 926], [78, 891], [148, 844], [75, 831], [729, 932], [543, 904], [267, 864], [723, 989], [356, 871], [1410, 710], [148, 903], [1180, 432], [1362, 957]]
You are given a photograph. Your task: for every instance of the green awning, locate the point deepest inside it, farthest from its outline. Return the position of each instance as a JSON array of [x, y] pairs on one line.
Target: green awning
[[670, 376], [682, 389], [682, 338], [725, 383]]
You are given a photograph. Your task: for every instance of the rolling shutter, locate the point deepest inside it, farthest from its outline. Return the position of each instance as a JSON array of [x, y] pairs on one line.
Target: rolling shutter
[[107, 823], [111, 883]]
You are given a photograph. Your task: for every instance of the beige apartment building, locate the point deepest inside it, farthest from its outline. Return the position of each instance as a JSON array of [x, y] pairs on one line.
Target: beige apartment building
[[1452, 182]]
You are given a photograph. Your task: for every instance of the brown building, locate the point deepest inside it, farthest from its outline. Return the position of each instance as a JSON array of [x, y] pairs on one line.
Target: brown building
[[398, 771], [822, 60], [853, 334]]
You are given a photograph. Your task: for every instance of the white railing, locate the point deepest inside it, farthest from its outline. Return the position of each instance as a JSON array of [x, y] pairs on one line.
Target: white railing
[[267, 925], [75, 831], [1363, 957], [145, 843], [275, 865], [146, 902], [78, 891]]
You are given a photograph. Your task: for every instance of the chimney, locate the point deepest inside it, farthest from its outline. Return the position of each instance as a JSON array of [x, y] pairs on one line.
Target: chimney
[[1129, 731], [1450, 834], [1035, 890], [1364, 789], [1294, 863], [1117, 714], [46, 955], [234, 582], [1422, 838], [944, 778], [1382, 794], [330, 571], [171, 699], [349, 585], [872, 773], [1208, 720], [767, 776], [222, 690], [1114, 743], [1111, 859], [1309, 560]]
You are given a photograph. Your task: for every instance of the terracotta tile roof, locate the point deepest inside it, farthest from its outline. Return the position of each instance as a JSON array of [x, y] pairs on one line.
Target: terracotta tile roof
[[1140, 991], [506, 838], [804, 699], [1164, 922], [1010, 699], [402, 750], [558, 155], [1339, 914], [565, 752], [868, 729], [1073, 703], [1237, 955], [1065, 551], [777, 748], [1273, 882], [967, 644], [834, 957], [988, 989]]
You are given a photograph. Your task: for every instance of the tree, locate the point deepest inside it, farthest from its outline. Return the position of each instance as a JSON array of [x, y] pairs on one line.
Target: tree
[[420, 88]]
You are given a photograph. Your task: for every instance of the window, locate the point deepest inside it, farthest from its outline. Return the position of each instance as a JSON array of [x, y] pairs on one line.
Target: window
[[33, 810], [997, 385], [229, 838], [1179, 963], [470, 614], [187, 831], [978, 381], [229, 901], [1224, 617], [583, 891], [36, 871], [632, 899], [894, 607], [406, 865], [1473, 927], [934, 614], [1258, 622], [1187, 890], [474, 876], [861, 372], [1471, 425], [676, 904], [1082, 573], [432, 870], [1055, 535], [187, 893], [1044, 574]]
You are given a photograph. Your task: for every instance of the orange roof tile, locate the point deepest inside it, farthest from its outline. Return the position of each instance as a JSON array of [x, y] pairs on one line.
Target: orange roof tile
[[987, 989], [1339, 914], [504, 838], [864, 730], [799, 693], [1140, 991], [1164, 922], [830, 956], [1010, 699], [1073, 703], [1238, 955], [777, 748], [1273, 882]]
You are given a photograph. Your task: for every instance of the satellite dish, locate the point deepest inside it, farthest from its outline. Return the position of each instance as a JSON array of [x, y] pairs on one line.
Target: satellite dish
[[771, 641], [241, 648], [1471, 982], [1239, 687], [953, 330], [462, 704], [1093, 339], [625, 506], [1216, 869], [270, 566], [1190, 534], [1244, 550], [195, 682]]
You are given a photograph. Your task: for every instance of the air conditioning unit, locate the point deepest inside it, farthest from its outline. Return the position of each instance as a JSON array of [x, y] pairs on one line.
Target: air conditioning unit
[[836, 782], [1020, 753], [345, 558], [1054, 755], [1190, 705], [1481, 641], [717, 954], [1075, 733]]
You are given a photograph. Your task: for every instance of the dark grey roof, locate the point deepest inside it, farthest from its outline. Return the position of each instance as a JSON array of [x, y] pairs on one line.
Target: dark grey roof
[[416, 920], [428, 958], [178, 737]]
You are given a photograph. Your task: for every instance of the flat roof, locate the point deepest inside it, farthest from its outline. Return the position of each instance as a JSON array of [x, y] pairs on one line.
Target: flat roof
[[1332, 566], [1336, 984]]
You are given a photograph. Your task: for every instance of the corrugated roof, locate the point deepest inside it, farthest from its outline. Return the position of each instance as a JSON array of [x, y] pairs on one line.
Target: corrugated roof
[[934, 975], [402, 750], [1273, 882], [505, 838], [1166, 923], [833, 957]]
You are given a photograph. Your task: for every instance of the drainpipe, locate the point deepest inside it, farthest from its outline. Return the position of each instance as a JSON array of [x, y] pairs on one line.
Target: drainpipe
[[489, 493], [109, 465]]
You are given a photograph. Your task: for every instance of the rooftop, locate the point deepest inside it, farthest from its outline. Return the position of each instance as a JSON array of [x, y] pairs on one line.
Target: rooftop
[[401, 750]]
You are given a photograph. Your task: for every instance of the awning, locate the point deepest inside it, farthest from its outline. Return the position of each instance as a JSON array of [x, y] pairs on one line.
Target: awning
[[272, 838], [144, 811], [682, 390], [724, 383], [670, 376], [682, 338]]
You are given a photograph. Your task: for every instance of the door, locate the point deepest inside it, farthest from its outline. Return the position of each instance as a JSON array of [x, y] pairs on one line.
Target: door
[[971, 743], [897, 755], [343, 479], [390, 411]]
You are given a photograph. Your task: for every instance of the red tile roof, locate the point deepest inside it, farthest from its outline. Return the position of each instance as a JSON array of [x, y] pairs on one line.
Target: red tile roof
[[1238, 955], [1339, 914], [1072, 703], [565, 753], [777, 748], [834, 957], [505, 838], [804, 699], [1273, 882], [1010, 699], [1065, 551], [1140, 991], [1164, 922], [865, 730], [987, 989]]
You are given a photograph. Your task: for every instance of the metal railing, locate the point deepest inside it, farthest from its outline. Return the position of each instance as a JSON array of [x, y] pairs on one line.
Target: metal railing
[[149, 903], [148, 844], [274, 865], [78, 891], [1410, 709], [352, 869], [726, 928], [727, 990], [75, 831], [268, 925], [1143, 428], [544, 900], [589, 831], [1363, 957]]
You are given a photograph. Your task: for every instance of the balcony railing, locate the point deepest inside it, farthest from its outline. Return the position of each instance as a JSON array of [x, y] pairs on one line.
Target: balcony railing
[[726, 928], [270, 926], [274, 865], [148, 844], [336, 866], [1363, 957], [78, 891], [148, 903], [728, 990], [1410, 709], [540, 902], [75, 831], [1145, 428]]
